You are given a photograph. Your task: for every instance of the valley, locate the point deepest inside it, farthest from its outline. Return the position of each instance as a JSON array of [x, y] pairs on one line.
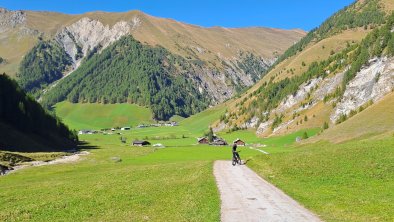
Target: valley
[[124, 180], [123, 116]]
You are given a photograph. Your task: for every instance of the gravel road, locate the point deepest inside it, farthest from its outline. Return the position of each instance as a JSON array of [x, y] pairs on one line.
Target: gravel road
[[247, 197]]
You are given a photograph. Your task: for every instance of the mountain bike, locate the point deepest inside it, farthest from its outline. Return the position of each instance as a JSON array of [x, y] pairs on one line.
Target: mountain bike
[[236, 159]]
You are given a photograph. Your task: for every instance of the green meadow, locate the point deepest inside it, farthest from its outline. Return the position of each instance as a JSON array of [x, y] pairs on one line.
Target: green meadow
[[167, 184], [350, 181], [98, 116]]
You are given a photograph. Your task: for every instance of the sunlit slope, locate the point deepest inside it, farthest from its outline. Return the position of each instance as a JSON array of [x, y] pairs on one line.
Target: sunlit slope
[[207, 44], [199, 123], [376, 119], [314, 52], [281, 102], [98, 116], [12, 48], [176, 36]]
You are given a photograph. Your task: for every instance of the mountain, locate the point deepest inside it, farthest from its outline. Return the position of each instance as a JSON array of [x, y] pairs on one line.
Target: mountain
[[339, 70], [25, 126], [130, 72], [40, 48]]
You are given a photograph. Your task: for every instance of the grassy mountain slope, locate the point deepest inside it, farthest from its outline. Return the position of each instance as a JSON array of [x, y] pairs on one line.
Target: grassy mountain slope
[[205, 65], [98, 116], [26, 126], [206, 44], [376, 119], [302, 89], [175, 35], [13, 47]]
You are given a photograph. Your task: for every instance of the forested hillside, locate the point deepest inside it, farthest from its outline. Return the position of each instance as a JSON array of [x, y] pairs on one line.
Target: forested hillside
[[44, 64], [131, 72], [26, 126]]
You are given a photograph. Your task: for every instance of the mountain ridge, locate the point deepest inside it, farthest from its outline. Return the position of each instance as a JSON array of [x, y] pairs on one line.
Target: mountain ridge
[[164, 32], [218, 62]]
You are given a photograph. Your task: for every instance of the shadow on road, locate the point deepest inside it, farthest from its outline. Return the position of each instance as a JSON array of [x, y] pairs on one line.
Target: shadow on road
[[246, 161]]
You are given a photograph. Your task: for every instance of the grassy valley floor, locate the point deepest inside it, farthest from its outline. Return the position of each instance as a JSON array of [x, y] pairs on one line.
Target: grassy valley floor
[[350, 181], [169, 184]]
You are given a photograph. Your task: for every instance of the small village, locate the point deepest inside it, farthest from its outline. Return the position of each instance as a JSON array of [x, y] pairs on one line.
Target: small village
[[205, 140], [126, 128], [216, 141]]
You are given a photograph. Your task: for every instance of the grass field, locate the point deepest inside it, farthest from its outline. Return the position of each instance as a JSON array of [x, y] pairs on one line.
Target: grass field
[[170, 184], [270, 142], [340, 182], [344, 182], [97, 116]]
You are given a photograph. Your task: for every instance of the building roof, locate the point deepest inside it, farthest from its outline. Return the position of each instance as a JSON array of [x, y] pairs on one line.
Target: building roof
[[140, 142], [199, 139], [238, 140]]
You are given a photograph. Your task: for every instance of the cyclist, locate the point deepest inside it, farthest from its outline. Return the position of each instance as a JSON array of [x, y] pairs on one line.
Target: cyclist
[[235, 153]]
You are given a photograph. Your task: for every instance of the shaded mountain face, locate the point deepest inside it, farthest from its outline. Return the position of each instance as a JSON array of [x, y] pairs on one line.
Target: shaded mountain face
[[216, 63], [26, 126], [337, 71]]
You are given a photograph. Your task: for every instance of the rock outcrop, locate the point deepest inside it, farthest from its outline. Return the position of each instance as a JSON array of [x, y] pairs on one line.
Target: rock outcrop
[[10, 19], [372, 83], [87, 34]]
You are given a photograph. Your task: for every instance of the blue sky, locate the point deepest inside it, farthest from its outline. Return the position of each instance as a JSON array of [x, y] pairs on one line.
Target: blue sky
[[286, 14]]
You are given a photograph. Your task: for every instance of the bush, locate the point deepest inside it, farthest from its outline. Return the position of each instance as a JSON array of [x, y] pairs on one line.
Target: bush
[[325, 126]]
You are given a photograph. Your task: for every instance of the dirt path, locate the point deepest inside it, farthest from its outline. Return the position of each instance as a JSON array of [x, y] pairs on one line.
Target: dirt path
[[65, 159], [247, 197]]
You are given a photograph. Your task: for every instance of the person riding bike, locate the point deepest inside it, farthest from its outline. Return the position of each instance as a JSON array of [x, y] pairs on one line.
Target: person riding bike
[[235, 153]]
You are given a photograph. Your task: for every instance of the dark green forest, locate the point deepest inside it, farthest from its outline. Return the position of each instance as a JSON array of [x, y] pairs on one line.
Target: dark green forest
[[44, 64], [128, 71], [26, 126]]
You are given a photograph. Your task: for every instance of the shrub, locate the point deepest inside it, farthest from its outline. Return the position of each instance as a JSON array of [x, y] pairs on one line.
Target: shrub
[[325, 126]]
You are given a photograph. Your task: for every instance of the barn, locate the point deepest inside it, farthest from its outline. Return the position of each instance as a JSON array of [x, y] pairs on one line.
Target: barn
[[203, 140], [140, 143]]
